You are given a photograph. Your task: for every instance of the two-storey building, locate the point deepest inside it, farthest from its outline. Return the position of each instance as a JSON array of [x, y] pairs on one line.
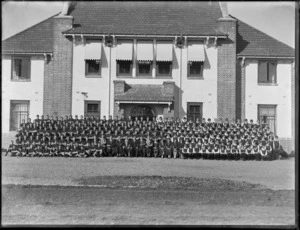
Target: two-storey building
[[153, 59]]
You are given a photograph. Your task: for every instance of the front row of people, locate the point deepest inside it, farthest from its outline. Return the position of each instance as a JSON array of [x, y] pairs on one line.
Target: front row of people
[[136, 148]]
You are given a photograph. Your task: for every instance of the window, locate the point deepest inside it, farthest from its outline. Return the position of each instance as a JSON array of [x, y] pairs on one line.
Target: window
[[145, 68], [267, 113], [196, 58], [267, 72], [124, 57], [21, 68], [164, 58], [164, 68], [92, 58], [92, 67], [195, 69], [92, 108], [19, 110], [124, 68], [144, 57], [194, 111]]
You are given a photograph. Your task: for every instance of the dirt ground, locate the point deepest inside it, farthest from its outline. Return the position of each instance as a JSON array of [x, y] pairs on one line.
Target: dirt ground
[[139, 191]]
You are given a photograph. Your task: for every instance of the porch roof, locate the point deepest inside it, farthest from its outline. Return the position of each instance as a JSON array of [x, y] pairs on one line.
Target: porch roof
[[145, 92]]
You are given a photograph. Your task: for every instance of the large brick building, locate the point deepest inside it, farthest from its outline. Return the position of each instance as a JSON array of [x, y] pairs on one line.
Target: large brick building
[[165, 59]]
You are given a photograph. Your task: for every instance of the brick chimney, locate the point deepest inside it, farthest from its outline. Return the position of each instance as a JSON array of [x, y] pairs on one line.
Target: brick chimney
[[226, 66], [58, 90], [169, 88], [119, 87]]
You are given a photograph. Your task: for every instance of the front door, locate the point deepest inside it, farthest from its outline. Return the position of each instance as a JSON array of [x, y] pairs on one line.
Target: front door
[[142, 111], [92, 108]]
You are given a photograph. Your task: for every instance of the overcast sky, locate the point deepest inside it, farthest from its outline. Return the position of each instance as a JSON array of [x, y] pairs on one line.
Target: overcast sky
[[276, 19]]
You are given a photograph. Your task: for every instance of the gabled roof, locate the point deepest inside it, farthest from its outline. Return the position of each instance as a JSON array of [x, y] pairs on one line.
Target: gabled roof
[[38, 38], [144, 93], [167, 18], [148, 17], [252, 42]]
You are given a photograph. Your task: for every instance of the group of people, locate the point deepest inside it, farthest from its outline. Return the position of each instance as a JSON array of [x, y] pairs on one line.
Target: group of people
[[139, 137]]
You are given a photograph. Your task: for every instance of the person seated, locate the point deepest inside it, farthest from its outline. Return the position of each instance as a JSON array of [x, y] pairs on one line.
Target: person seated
[[168, 148], [149, 146], [243, 152], [203, 151], [216, 152], [276, 148], [196, 152], [235, 152], [223, 155], [228, 152], [185, 150], [68, 150], [162, 148], [142, 147], [190, 151], [269, 151], [264, 153], [209, 153], [127, 147], [256, 152]]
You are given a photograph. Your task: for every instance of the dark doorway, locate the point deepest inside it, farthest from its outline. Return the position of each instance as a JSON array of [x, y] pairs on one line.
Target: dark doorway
[[142, 111]]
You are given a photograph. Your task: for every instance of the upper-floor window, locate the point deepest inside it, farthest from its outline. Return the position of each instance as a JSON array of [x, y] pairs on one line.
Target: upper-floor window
[[164, 58], [92, 58], [124, 57], [196, 58], [21, 68], [144, 58], [267, 72]]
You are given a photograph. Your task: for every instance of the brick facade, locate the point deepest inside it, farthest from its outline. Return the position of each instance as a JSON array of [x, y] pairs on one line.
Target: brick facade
[[226, 84], [48, 90], [58, 90]]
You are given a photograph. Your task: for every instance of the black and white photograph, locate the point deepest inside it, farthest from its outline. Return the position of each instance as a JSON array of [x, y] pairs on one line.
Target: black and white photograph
[[149, 113]]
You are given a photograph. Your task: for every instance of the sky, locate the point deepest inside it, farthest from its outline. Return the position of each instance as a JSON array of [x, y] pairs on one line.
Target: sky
[[276, 19]]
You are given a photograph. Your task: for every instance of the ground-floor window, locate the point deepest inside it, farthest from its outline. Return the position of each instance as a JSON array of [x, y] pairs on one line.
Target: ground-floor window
[[19, 110], [267, 113], [92, 108], [194, 110]]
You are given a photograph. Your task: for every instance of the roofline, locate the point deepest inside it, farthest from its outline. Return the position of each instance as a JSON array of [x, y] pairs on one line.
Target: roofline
[[145, 35], [261, 32], [31, 27], [29, 53], [144, 101], [265, 57]]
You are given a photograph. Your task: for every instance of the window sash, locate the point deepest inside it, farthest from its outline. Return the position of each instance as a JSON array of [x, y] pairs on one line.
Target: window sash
[[120, 65], [92, 107], [19, 111], [159, 67], [267, 72], [195, 69], [267, 113], [145, 65], [21, 68], [194, 110], [89, 66]]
